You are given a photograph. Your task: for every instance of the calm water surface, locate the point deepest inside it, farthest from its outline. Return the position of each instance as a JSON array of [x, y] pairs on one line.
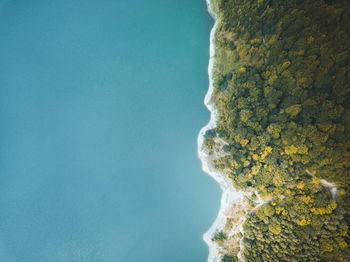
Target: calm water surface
[[100, 106]]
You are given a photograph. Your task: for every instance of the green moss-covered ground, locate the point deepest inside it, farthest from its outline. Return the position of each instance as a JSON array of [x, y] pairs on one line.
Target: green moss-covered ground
[[282, 91]]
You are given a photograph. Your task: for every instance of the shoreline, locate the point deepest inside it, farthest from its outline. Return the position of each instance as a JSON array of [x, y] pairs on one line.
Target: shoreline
[[236, 202], [229, 196]]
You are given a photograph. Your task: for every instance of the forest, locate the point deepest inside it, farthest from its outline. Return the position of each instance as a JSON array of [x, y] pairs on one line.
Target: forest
[[282, 92]]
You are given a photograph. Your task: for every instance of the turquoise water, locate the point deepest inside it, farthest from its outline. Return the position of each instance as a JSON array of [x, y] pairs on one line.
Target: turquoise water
[[101, 104]]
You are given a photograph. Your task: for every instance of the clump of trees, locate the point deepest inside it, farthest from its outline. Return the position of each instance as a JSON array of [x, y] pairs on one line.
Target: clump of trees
[[219, 236], [284, 108], [228, 258]]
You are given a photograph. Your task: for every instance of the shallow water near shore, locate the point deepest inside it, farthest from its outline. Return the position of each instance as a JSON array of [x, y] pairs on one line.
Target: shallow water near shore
[[101, 105]]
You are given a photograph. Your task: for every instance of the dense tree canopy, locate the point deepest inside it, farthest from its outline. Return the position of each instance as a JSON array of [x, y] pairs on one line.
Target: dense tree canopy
[[282, 91]]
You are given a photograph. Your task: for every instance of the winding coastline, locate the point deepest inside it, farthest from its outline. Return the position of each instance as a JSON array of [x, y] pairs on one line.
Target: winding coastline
[[274, 158], [229, 196]]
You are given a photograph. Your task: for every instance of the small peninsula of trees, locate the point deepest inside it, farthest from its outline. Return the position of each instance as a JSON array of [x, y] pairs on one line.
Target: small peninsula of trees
[[282, 92]]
